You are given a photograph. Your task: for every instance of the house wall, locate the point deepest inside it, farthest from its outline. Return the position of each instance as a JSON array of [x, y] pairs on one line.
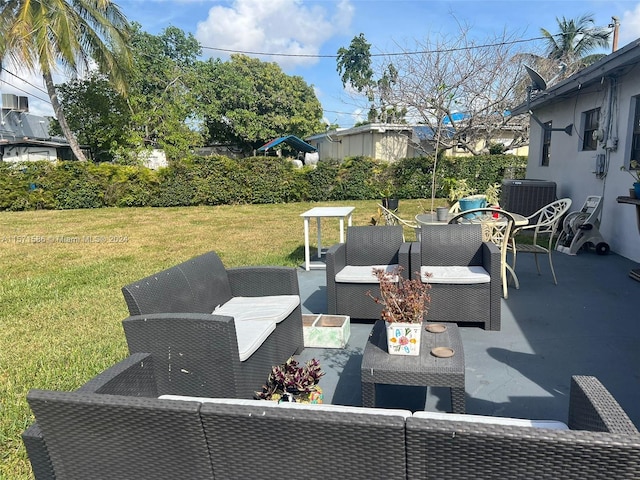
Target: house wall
[[573, 169], [28, 154]]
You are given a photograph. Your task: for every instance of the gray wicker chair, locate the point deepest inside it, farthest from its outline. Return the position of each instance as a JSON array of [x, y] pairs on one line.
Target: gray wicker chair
[[171, 318], [461, 245], [364, 246]]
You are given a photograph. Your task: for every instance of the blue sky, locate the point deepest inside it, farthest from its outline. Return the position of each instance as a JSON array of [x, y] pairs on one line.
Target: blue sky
[[321, 27]]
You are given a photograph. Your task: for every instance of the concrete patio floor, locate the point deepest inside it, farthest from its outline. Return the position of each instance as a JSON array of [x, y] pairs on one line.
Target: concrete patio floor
[[588, 324]]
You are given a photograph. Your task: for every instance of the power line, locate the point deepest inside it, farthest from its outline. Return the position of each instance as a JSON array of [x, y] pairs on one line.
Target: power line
[[25, 81], [24, 91], [391, 54]]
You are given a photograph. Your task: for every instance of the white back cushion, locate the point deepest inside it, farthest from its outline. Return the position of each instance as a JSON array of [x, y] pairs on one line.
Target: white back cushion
[[304, 406], [517, 422]]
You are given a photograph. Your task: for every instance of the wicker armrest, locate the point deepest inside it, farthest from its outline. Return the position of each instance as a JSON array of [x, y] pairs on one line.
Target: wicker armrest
[[491, 259], [404, 260], [132, 377], [593, 408], [263, 281], [336, 257]]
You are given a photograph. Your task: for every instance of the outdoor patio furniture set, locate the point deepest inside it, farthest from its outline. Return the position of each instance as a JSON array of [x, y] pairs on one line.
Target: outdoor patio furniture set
[[465, 276], [210, 335], [115, 427]]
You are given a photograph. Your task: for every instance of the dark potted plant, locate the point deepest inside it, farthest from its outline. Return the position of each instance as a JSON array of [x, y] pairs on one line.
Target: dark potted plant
[[291, 382], [389, 196]]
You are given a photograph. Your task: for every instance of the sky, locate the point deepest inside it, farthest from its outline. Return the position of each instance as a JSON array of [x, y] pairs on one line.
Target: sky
[[310, 32]]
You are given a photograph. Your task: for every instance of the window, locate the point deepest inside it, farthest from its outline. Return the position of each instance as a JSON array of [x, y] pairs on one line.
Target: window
[[590, 125], [546, 144], [635, 139]]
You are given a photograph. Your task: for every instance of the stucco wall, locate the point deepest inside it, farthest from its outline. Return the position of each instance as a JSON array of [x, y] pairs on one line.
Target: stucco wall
[[28, 154], [573, 169]]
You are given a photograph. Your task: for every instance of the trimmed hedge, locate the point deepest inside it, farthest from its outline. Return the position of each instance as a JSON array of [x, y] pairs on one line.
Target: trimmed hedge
[[218, 180]]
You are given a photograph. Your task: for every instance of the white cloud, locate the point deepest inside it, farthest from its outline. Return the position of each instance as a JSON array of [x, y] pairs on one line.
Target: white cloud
[[629, 26], [277, 26]]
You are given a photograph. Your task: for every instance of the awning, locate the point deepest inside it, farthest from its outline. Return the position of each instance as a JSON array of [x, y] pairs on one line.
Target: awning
[[295, 142]]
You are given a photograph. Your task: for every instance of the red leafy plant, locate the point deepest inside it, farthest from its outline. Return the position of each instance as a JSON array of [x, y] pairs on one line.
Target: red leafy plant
[[405, 300], [291, 378]]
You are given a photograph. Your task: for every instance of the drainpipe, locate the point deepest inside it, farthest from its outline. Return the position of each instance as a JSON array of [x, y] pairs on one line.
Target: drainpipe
[[616, 30]]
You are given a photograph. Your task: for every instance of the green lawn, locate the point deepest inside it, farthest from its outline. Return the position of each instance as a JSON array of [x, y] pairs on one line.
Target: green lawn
[[61, 274]]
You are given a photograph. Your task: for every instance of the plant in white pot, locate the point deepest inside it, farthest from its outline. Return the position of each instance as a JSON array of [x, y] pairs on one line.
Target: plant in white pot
[[405, 305]]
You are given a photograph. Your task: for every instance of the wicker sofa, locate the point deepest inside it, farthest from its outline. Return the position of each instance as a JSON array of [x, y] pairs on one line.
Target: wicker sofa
[[219, 330], [115, 427]]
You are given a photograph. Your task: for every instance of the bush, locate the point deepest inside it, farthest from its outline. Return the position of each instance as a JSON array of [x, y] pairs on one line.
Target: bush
[[218, 180]]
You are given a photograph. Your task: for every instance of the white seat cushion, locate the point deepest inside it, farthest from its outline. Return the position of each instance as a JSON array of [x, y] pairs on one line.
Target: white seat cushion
[[272, 308], [362, 273], [517, 422], [454, 274], [251, 334]]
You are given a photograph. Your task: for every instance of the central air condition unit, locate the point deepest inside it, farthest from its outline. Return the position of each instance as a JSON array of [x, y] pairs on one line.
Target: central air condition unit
[[526, 196]]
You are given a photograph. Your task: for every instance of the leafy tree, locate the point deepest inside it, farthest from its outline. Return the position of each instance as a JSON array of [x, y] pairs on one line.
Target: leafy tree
[[162, 99], [355, 68], [576, 41], [74, 34], [98, 115], [459, 92], [247, 102]]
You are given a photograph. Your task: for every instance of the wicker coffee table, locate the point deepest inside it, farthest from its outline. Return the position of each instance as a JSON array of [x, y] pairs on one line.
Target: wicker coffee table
[[378, 367]]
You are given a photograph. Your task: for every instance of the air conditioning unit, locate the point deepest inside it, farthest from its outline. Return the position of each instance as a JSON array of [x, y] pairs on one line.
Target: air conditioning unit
[[526, 196], [9, 101], [23, 104]]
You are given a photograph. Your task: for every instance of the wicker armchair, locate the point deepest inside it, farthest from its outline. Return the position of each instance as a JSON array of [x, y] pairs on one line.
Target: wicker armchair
[[458, 300], [364, 247]]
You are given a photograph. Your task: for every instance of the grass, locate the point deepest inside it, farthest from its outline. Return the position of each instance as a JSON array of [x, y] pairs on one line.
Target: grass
[[61, 274]]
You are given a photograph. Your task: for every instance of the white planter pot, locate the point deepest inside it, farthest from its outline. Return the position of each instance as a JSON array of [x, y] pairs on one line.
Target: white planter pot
[[404, 338]]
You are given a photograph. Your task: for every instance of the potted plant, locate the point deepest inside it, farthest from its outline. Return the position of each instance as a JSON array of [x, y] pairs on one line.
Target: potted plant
[[634, 171], [493, 194], [389, 197], [405, 305], [291, 382]]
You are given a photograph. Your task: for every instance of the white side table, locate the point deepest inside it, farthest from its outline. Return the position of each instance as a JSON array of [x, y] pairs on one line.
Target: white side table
[[337, 212]]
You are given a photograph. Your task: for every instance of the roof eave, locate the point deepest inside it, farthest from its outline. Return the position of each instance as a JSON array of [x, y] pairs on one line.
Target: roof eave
[[613, 65]]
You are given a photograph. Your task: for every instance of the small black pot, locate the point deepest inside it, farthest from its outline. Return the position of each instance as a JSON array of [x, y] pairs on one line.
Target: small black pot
[[390, 203]]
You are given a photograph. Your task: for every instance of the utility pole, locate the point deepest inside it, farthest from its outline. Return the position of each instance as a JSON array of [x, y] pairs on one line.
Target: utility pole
[[616, 30]]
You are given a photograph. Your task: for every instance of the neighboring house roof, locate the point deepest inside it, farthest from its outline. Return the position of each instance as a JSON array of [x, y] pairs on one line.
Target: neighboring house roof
[[22, 128], [292, 140], [615, 64]]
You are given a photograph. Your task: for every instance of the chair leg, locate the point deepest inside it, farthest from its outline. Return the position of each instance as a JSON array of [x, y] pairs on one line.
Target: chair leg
[[535, 256], [555, 281], [513, 276]]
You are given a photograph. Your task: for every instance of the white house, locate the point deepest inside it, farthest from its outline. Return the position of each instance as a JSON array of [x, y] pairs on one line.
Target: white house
[[25, 137], [600, 107]]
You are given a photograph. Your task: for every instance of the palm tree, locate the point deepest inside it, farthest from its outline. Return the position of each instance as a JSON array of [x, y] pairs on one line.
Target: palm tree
[[72, 34], [576, 41]]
